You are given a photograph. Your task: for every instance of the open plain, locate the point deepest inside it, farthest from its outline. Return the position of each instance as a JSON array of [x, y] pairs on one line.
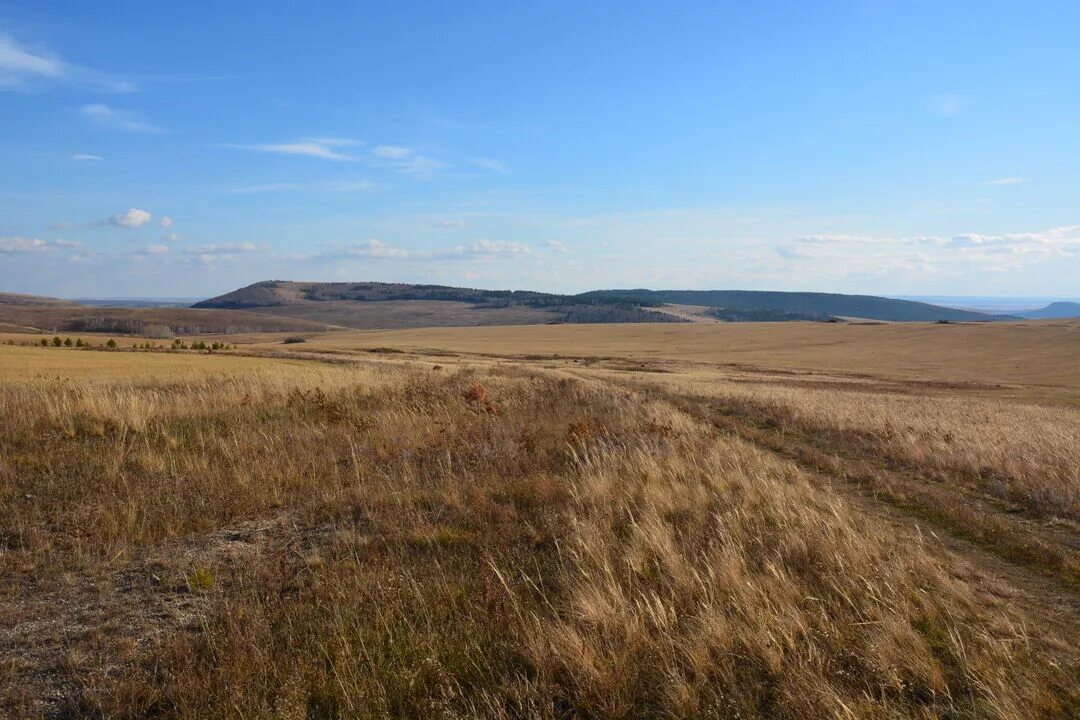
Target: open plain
[[795, 520]]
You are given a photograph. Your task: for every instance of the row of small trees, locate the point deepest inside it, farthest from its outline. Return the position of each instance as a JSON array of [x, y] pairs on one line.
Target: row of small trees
[[67, 342], [177, 344], [200, 345]]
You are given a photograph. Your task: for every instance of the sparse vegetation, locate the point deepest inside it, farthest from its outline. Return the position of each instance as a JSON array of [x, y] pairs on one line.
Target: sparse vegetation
[[374, 539]]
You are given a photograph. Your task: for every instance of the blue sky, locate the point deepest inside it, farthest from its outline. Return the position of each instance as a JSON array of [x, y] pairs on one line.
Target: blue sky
[[184, 149]]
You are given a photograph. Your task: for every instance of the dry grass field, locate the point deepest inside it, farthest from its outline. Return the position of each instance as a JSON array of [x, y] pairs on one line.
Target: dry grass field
[[746, 521], [1035, 356]]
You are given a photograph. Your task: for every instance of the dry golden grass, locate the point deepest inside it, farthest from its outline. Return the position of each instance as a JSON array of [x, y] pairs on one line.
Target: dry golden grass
[[204, 536], [1038, 355], [1028, 454], [24, 363]]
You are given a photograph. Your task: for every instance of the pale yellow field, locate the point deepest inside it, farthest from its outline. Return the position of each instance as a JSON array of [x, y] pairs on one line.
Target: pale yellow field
[[23, 363], [1042, 357]]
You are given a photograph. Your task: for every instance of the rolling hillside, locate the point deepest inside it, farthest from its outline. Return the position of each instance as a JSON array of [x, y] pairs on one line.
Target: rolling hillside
[[820, 305], [368, 305], [1055, 311], [50, 315], [17, 299]]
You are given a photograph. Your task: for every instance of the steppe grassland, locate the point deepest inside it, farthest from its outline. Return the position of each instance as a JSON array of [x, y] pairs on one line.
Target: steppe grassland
[[31, 361], [1041, 356], [498, 542], [1023, 452]]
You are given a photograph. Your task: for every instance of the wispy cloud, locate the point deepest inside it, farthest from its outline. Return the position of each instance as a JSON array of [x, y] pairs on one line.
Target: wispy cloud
[[322, 148], [491, 164], [948, 104], [153, 250], [391, 152], [340, 186], [223, 249], [12, 245], [406, 161], [557, 245], [19, 64], [499, 247], [105, 116], [336, 141], [397, 158], [266, 188], [847, 254], [1005, 181], [450, 224], [209, 255], [165, 221], [376, 249], [22, 65], [84, 157]]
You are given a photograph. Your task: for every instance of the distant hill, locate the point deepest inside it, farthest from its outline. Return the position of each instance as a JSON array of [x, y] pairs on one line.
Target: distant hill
[[804, 304], [64, 317], [744, 314], [1055, 310], [270, 293], [288, 306], [369, 305], [17, 299]]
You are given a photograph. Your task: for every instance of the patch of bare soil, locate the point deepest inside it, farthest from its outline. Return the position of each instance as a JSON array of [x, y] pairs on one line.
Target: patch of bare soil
[[59, 640]]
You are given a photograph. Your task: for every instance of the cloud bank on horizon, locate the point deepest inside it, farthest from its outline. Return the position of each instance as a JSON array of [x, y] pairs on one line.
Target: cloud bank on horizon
[[880, 149]]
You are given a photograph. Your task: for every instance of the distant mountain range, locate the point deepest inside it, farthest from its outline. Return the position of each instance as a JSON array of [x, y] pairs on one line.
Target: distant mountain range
[[287, 306], [367, 304], [1055, 310], [812, 305], [370, 305]]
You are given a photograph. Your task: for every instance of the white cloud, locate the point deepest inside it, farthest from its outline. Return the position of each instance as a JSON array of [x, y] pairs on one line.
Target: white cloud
[[133, 218], [449, 224], [558, 246], [81, 156], [112, 118], [1005, 181], [170, 237], [155, 250], [12, 245], [165, 221], [376, 249], [391, 152]]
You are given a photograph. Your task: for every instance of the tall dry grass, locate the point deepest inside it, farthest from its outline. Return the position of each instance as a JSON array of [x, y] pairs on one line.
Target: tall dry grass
[[496, 544], [1026, 454]]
